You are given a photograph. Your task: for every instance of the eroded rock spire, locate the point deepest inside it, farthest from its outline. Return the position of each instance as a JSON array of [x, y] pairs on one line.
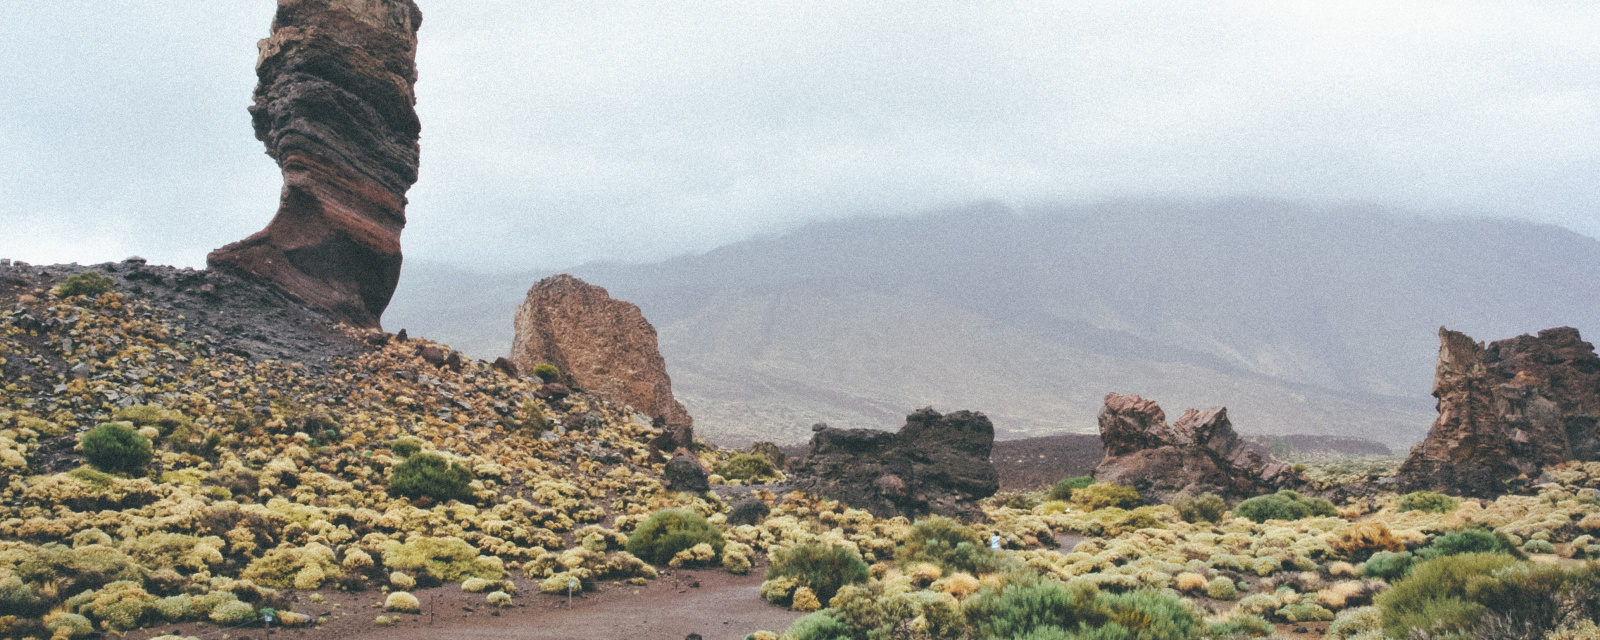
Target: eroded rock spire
[[334, 105]]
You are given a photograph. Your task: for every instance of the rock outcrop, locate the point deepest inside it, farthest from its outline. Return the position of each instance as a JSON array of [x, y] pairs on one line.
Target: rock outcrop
[[934, 464], [1198, 454], [334, 105], [601, 345], [1506, 410]]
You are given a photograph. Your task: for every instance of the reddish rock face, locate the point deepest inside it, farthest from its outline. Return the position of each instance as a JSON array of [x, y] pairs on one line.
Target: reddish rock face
[[1507, 410], [1199, 454], [600, 345], [334, 105]]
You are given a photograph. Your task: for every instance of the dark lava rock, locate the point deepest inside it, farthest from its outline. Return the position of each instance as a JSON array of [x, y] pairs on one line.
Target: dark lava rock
[[1200, 453], [684, 473], [935, 464], [1507, 410], [748, 511]]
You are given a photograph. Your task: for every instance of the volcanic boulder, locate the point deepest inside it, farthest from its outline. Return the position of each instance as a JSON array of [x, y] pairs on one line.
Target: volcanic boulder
[[1198, 454], [935, 464], [1507, 410], [602, 345], [334, 105]]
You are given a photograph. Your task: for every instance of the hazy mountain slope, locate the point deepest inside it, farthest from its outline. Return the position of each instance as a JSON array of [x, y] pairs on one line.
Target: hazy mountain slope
[[1311, 321]]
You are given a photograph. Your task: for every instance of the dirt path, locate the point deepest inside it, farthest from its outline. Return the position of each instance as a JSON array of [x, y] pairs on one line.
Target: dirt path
[[722, 607]]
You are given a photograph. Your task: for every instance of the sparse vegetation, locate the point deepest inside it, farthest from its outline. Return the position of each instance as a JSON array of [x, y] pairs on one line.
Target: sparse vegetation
[[88, 283]]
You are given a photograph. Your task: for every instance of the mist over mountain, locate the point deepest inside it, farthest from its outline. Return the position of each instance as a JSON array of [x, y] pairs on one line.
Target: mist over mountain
[[1298, 319]]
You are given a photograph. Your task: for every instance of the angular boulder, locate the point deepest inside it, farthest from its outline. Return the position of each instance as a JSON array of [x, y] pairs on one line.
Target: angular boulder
[[1198, 454], [601, 345], [935, 464], [334, 105], [1506, 411]]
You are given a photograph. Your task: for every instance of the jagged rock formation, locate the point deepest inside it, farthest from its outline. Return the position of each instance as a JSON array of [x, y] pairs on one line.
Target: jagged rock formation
[[601, 345], [1507, 410], [1200, 453], [334, 105], [935, 464]]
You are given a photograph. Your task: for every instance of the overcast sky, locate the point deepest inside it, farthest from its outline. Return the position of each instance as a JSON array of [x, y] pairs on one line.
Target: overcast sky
[[560, 132]]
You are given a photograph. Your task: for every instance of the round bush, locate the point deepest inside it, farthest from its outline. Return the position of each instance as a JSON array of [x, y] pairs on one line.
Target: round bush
[[1063, 489], [1431, 501], [1283, 505], [744, 466], [116, 446], [1474, 540], [429, 475], [406, 447], [669, 531], [947, 543], [822, 567], [547, 372], [1207, 508], [1388, 565], [88, 283]]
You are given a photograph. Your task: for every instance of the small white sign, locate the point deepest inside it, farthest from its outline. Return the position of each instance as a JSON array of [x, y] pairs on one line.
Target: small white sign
[[994, 542]]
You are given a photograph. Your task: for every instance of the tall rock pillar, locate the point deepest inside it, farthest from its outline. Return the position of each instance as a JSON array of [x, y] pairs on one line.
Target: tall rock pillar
[[334, 105]]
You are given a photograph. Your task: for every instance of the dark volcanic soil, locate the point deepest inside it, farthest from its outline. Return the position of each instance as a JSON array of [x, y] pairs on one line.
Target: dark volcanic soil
[[219, 311], [1035, 463]]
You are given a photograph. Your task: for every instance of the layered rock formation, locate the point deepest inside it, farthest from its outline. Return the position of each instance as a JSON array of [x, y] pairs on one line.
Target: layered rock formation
[[1198, 454], [334, 105], [1506, 410], [601, 345], [935, 464]]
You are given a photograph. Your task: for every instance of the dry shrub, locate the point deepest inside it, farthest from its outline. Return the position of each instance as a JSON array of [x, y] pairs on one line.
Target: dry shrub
[[1361, 541]]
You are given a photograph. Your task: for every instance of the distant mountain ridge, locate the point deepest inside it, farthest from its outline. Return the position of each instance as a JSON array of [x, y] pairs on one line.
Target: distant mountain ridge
[[1300, 320]]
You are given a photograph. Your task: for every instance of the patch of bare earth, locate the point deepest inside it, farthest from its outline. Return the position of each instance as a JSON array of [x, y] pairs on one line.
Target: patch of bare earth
[[722, 606]]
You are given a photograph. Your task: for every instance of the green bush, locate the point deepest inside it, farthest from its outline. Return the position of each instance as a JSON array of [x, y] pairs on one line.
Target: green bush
[[547, 372], [429, 475], [1487, 594], [1388, 565], [406, 447], [819, 626], [947, 543], [744, 466], [669, 531], [1207, 508], [1474, 540], [1283, 505], [88, 283], [150, 415], [822, 567], [1538, 546], [1051, 609], [116, 446], [1103, 494], [1021, 609], [1063, 489], [1430, 501]]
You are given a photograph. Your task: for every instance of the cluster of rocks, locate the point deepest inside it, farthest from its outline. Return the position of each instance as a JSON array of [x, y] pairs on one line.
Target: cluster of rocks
[[1506, 410], [603, 346], [335, 107], [937, 463], [1198, 454]]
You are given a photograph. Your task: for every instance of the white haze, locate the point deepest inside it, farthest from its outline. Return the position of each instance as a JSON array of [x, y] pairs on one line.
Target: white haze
[[564, 132]]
